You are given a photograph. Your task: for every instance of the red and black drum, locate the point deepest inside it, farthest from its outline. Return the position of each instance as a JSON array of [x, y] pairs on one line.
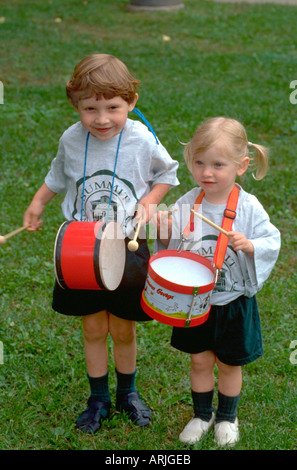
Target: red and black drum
[[89, 255]]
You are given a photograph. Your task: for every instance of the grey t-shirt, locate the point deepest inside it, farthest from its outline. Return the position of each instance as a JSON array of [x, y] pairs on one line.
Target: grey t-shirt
[[141, 163], [241, 274]]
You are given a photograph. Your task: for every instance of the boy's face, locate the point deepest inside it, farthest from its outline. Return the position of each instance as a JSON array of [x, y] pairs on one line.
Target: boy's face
[[104, 118]]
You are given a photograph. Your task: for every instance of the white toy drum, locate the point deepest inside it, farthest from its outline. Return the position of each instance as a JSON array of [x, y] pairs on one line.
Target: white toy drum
[[178, 288], [89, 255]]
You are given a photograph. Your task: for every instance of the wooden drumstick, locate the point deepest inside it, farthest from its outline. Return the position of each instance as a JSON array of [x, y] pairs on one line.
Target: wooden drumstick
[[133, 244], [209, 222], [3, 238]]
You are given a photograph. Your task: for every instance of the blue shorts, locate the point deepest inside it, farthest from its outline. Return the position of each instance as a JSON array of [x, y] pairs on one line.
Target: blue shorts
[[232, 332], [124, 302]]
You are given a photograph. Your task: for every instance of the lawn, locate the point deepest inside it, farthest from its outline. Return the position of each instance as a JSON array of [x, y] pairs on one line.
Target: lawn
[[207, 59]]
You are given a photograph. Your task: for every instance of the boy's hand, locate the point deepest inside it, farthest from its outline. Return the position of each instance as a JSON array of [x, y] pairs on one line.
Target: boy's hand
[[240, 242], [148, 204], [163, 222], [32, 216], [34, 212]]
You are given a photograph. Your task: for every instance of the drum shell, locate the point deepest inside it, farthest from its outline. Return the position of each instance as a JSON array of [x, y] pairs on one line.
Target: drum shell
[[77, 256], [169, 302]]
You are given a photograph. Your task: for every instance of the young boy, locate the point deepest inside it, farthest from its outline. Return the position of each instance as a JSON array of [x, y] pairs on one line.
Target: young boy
[[103, 92]]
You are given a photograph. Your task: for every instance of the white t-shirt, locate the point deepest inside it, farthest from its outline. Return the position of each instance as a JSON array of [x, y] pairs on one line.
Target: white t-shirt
[[141, 164], [241, 274]]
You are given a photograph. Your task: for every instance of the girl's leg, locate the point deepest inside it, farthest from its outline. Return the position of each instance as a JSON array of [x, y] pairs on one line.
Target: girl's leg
[[202, 375], [230, 379], [230, 382], [202, 384]]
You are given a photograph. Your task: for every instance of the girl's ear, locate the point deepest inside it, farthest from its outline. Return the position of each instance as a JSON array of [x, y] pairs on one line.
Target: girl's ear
[[243, 166], [132, 105]]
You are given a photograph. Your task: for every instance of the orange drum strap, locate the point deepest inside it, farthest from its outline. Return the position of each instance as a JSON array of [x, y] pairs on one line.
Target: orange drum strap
[[229, 216], [188, 228]]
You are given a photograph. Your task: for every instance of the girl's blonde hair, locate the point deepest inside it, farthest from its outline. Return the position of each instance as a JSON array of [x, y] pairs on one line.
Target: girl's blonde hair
[[102, 75], [230, 136]]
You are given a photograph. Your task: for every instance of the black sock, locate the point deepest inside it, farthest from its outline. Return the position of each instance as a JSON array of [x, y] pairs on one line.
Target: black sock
[[126, 383], [99, 388], [202, 403], [227, 408]]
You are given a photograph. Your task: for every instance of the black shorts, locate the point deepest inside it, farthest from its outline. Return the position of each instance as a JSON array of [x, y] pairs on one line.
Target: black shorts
[[232, 332], [124, 302]]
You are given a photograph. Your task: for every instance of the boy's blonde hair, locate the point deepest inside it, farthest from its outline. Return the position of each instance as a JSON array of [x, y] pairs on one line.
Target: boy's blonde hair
[[101, 75], [230, 136]]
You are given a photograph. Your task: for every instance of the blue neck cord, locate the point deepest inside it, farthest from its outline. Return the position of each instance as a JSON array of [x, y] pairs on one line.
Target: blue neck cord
[[136, 111], [113, 177], [84, 178], [139, 113]]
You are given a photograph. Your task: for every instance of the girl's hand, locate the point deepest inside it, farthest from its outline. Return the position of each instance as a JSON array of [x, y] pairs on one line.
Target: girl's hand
[[240, 242]]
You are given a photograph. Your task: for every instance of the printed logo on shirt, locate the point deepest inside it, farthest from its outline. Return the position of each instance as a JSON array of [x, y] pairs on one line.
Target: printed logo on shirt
[[226, 281], [97, 192]]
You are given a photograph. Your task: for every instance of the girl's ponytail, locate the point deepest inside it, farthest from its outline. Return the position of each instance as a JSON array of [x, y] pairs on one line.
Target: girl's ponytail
[[259, 160]]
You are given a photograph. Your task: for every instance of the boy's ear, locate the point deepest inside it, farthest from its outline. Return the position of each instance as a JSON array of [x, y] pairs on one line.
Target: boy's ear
[[71, 102], [243, 166], [132, 105]]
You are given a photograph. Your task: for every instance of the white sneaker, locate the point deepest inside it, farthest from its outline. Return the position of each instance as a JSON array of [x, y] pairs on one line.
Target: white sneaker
[[226, 433], [193, 431]]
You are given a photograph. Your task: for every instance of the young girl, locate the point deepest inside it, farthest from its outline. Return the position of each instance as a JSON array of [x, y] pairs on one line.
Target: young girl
[[106, 156], [231, 336]]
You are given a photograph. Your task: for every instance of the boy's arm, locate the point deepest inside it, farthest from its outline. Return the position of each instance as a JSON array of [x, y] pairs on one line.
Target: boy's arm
[[35, 210], [149, 203]]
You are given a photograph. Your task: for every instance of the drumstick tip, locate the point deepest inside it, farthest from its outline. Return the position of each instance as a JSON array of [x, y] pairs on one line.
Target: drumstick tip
[[2, 240], [133, 245]]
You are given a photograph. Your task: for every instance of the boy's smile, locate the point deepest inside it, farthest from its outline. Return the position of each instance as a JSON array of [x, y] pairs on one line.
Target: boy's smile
[[104, 118]]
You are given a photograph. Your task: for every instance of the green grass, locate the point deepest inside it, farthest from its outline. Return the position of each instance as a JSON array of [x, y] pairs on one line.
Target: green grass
[[234, 59]]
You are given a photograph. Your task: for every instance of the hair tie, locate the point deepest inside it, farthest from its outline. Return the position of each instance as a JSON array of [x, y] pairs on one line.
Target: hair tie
[[250, 144]]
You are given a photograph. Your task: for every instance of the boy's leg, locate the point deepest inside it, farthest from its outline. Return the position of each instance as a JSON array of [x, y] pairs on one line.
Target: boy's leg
[[123, 333], [95, 330]]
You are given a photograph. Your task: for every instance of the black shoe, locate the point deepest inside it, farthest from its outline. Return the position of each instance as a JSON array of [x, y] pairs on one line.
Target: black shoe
[[138, 412], [90, 419]]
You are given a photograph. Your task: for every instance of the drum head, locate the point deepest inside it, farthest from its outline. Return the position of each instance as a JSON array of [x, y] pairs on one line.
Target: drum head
[[112, 256]]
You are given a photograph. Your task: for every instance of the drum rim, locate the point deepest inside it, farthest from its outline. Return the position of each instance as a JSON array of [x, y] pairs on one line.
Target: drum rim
[[99, 267], [179, 287], [58, 253]]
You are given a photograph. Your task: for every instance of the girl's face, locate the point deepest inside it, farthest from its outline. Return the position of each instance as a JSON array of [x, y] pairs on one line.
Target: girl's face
[[216, 174], [104, 118]]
